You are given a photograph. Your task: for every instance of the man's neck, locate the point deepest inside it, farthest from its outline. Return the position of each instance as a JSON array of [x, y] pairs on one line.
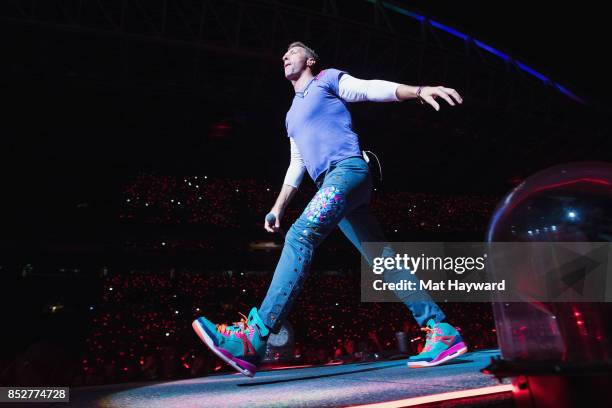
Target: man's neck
[[300, 83]]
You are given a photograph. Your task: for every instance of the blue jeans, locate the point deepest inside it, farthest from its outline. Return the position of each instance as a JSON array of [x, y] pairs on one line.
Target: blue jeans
[[342, 199]]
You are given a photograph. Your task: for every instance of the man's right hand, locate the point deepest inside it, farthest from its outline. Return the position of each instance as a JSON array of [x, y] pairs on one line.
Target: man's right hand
[[272, 221]]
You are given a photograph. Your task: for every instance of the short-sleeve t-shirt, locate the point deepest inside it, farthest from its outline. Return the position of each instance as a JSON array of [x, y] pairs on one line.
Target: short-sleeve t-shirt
[[321, 125]]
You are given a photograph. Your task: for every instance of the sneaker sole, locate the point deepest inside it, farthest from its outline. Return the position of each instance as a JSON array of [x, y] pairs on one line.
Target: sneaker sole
[[453, 352], [237, 364]]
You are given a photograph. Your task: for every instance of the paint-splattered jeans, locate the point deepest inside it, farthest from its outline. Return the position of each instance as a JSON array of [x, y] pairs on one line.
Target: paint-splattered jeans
[[342, 200]]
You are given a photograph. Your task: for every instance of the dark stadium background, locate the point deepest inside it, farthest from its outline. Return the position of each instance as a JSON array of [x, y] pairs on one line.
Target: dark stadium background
[[95, 116]]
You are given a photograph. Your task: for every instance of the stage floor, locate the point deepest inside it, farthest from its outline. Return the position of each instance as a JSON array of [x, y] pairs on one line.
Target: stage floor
[[326, 386]]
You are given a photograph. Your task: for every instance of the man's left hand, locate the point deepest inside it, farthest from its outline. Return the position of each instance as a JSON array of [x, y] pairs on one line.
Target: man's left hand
[[430, 93]]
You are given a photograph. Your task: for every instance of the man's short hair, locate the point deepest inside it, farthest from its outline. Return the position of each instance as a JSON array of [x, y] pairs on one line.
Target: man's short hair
[[310, 53]]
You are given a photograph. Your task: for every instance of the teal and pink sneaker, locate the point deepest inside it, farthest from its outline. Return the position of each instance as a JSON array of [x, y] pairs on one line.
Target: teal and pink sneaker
[[241, 345], [443, 343]]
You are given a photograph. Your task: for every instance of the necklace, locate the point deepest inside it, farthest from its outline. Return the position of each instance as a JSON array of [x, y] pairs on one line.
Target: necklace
[[303, 93]]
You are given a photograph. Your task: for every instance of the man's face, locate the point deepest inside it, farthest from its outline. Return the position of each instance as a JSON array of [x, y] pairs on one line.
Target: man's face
[[295, 62]]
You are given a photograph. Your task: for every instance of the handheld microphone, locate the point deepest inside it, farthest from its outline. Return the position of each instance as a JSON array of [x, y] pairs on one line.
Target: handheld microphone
[[271, 219]]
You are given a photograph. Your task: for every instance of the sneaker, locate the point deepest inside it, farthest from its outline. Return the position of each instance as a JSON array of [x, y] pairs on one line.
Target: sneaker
[[443, 343], [241, 345]]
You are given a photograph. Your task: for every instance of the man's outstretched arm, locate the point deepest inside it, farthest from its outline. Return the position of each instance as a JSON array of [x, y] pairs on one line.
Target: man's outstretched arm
[[352, 89], [293, 179]]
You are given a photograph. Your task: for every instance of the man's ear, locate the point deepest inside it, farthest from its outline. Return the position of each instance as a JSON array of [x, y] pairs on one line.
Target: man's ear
[[310, 62]]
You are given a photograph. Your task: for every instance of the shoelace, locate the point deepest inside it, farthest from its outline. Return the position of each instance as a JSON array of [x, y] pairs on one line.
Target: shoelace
[[241, 326], [429, 337], [240, 330]]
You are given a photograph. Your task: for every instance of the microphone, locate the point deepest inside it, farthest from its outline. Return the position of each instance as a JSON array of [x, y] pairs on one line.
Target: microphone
[[271, 219]]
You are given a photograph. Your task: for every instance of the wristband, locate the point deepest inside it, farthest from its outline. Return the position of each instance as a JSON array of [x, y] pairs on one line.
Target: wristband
[[418, 94]]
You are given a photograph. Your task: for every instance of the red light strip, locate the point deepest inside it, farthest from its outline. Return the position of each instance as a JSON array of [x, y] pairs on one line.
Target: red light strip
[[427, 399], [286, 367], [289, 367]]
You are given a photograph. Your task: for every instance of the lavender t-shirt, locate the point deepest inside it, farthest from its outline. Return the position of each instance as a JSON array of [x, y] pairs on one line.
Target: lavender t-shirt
[[321, 124]]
